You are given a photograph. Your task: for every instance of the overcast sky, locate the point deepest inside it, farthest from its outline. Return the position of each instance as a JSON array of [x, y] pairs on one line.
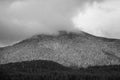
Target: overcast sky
[[20, 19]]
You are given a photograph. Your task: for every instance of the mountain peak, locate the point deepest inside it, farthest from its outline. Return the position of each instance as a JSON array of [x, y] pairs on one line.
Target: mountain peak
[[66, 48]]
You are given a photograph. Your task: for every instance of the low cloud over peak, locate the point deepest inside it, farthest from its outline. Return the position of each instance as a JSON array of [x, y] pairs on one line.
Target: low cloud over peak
[[20, 19]]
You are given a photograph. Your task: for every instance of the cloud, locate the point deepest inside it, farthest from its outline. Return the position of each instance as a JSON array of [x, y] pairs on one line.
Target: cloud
[[100, 19], [23, 18]]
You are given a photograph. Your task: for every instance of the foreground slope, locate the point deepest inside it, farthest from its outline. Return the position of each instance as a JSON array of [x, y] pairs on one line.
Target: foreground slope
[[68, 49], [49, 70]]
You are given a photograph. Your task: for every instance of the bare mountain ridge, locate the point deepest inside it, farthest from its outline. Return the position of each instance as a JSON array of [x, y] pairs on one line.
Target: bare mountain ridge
[[68, 49]]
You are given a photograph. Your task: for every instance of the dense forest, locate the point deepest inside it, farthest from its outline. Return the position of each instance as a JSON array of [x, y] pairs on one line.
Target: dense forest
[[49, 70]]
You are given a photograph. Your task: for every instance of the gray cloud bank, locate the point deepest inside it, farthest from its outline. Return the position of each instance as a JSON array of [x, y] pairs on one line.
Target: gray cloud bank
[[20, 19]]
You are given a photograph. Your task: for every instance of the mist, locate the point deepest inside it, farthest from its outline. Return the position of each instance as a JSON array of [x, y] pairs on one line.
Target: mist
[[20, 19]]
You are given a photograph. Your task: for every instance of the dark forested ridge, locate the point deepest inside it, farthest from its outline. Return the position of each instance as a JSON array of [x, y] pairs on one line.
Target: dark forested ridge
[[49, 70]]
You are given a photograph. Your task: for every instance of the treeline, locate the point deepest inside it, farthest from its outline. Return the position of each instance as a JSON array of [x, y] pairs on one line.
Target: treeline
[[56, 75], [48, 70]]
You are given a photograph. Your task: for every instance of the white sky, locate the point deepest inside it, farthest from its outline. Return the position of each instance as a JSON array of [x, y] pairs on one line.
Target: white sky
[[22, 18]]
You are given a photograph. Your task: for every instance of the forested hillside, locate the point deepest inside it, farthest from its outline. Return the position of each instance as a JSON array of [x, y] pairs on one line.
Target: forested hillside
[[49, 70], [68, 49]]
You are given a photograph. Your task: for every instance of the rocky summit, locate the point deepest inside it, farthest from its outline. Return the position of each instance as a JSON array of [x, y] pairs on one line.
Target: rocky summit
[[66, 48]]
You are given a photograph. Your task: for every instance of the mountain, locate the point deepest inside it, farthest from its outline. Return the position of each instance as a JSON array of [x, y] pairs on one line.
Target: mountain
[[66, 48]]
